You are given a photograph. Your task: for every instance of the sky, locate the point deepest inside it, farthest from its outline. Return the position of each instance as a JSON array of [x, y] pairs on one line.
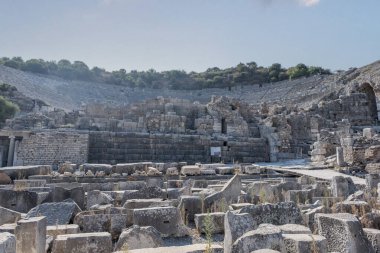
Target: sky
[[192, 35]]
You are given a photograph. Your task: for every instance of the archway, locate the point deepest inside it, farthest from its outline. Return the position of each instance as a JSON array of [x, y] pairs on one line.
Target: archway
[[371, 97]]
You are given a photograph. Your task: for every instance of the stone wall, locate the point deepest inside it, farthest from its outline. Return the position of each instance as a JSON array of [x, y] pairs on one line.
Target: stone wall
[[52, 148], [108, 147]]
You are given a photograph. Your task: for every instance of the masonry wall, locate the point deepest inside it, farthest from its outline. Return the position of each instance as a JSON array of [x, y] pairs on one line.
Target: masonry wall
[[52, 148], [108, 147]]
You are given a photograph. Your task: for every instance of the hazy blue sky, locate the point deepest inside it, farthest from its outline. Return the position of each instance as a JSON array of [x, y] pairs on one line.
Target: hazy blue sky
[[192, 34]]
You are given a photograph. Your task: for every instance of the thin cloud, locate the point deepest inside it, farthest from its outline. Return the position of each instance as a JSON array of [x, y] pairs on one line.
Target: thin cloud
[[309, 3]]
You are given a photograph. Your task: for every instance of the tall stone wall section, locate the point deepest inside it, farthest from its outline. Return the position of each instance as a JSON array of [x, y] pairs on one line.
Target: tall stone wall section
[[52, 148], [111, 147]]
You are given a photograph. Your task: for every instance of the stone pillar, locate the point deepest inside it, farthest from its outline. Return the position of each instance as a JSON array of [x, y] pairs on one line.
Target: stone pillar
[[11, 150], [31, 235], [339, 156]]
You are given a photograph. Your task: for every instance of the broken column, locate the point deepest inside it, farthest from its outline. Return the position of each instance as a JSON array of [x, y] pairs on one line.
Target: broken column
[[31, 235]]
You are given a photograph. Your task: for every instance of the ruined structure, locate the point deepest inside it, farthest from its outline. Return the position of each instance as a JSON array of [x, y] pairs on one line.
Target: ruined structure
[[177, 173]]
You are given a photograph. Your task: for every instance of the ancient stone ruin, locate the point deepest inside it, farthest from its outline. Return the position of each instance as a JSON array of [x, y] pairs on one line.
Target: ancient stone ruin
[[291, 167]]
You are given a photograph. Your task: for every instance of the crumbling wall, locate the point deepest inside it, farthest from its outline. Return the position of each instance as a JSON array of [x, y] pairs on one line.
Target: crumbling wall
[[52, 148]]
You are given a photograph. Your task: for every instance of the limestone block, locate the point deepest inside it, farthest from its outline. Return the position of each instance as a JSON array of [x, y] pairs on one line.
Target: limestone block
[[371, 181], [58, 213], [342, 186], [265, 237], [369, 133], [74, 191], [9, 227], [137, 237], [300, 243], [20, 201], [373, 236], [294, 229], [189, 206], [153, 192], [167, 220], [358, 208], [343, 232], [225, 170], [229, 194], [373, 168], [372, 153], [112, 220], [31, 235], [83, 243], [190, 170], [7, 243], [194, 248], [62, 229], [21, 172], [216, 219], [235, 225], [8, 216], [98, 198], [276, 214]]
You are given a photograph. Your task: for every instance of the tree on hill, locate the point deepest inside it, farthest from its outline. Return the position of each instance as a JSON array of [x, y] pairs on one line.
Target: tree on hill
[[7, 109]]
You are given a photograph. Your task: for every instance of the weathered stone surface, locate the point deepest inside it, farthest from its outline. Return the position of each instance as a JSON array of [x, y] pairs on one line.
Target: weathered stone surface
[[62, 229], [229, 194], [8, 216], [217, 222], [31, 235], [370, 220], [113, 221], [21, 172], [7, 243], [9, 227], [173, 171], [98, 198], [83, 243], [74, 191], [266, 236], [153, 192], [167, 220], [58, 213], [373, 236], [342, 186], [189, 206], [276, 214], [20, 201], [343, 232], [138, 238], [294, 229], [190, 170], [300, 243], [371, 181], [358, 208], [194, 248], [235, 225], [265, 251]]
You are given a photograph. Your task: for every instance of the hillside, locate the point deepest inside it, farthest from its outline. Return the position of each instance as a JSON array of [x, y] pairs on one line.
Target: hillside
[[70, 95]]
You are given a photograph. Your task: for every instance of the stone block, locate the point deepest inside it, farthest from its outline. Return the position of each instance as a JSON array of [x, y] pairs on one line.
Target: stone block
[[7, 243], [83, 243], [194, 248], [343, 232], [373, 236], [74, 191], [137, 237], [215, 220], [371, 181], [20, 201], [276, 214], [235, 225], [62, 229], [153, 192], [98, 198], [190, 170], [358, 208], [31, 235], [266, 236], [58, 213], [167, 220], [300, 243], [106, 168], [342, 186], [8, 216], [294, 229], [189, 206], [21, 172]]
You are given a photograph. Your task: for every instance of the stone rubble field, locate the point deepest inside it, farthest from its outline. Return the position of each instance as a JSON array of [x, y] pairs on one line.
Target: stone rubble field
[[175, 207]]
